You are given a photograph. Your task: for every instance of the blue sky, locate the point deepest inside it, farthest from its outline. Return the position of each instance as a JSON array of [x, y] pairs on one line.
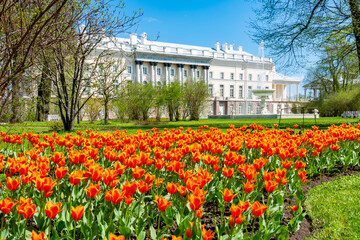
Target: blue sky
[[199, 22]]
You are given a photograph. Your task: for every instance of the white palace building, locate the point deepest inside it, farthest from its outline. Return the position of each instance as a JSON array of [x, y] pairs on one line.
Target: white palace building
[[231, 74]]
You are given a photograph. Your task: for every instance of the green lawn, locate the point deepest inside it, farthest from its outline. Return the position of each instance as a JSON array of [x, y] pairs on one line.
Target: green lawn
[[44, 127], [334, 208]]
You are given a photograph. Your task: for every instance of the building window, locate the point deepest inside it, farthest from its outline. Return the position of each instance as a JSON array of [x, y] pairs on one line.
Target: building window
[[232, 109], [232, 94], [241, 76], [222, 75], [257, 108], [185, 72], [249, 92], [267, 77], [198, 74], [222, 91], [211, 91], [232, 76], [250, 77], [258, 77], [129, 69], [158, 71], [241, 94], [210, 74], [240, 109], [249, 108], [172, 72], [145, 70]]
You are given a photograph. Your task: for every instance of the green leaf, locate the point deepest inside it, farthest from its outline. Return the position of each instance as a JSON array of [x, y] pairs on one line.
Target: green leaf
[[153, 234]]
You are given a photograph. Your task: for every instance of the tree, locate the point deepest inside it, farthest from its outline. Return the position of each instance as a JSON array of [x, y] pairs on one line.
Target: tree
[[172, 98], [92, 108], [290, 26], [25, 27], [195, 95], [90, 28], [106, 81]]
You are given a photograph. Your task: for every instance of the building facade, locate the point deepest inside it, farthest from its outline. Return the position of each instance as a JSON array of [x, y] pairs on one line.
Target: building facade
[[231, 74]]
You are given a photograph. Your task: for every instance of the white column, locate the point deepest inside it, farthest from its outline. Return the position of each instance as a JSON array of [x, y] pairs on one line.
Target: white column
[[283, 86], [138, 69], [152, 67], [274, 94], [297, 92], [289, 92], [141, 72], [192, 73]]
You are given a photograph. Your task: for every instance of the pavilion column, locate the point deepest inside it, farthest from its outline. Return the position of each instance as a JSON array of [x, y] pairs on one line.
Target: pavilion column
[[141, 72], [193, 67], [138, 71], [274, 93], [167, 70], [152, 73], [283, 86], [289, 92], [206, 75], [181, 73], [297, 92]]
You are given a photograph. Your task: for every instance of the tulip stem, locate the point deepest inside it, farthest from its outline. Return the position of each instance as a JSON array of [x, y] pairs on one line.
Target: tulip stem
[[74, 229], [2, 222], [50, 229], [138, 215], [158, 225]]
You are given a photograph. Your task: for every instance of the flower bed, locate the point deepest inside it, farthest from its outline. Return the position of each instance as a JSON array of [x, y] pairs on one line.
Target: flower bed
[[159, 185]]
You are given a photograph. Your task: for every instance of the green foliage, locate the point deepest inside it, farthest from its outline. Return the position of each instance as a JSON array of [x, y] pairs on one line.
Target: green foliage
[[334, 209], [195, 98], [336, 103], [173, 95]]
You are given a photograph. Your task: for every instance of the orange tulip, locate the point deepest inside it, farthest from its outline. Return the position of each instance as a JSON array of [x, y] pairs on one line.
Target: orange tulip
[[143, 187], [76, 213], [27, 209], [270, 186], [6, 205], [114, 237], [239, 220], [116, 196], [60, 172], [12, 184], [228, 172], [249, 186], [162, 203], [75, 177], [199, 213], [207, 235], [188, 231], [258, 209], [228, 195], [299, 165], [138, 172], [93, 190], [287, 164], [171, 187], [35, 236], [52, 209]]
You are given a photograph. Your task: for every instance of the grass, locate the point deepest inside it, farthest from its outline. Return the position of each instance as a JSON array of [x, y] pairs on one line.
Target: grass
[[334, 208], [131, 127]]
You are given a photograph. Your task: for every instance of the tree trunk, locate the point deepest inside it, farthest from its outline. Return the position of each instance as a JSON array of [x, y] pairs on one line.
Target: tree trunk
[[15, 101], [171, 114], [44, 95], [106, 106], [355, 16]]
